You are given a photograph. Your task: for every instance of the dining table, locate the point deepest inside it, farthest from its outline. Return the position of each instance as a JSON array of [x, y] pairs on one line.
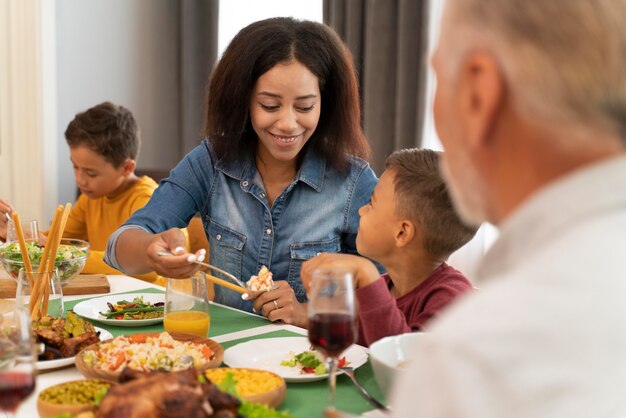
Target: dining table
[[229, 327]]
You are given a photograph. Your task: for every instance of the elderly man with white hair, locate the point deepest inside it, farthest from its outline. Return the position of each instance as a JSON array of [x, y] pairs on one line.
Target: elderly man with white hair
[[531, 110]]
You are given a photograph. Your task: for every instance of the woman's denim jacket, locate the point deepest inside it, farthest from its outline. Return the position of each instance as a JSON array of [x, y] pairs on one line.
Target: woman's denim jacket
[[316, 213]]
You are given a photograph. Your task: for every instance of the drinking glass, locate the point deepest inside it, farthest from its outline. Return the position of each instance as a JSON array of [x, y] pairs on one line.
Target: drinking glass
[[332, 319], [30, 228], [17, 360], [55, 301], [187, 305]]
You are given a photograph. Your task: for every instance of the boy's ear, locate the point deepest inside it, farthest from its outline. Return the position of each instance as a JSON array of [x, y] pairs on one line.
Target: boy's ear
[[128, 167], [405, 233]]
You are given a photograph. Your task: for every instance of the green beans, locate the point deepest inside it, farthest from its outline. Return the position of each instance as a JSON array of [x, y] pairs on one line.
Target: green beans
[[80, 392], [131, 310]]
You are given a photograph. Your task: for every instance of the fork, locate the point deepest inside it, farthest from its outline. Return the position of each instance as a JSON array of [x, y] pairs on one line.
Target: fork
[[349, 371], [210, 266]]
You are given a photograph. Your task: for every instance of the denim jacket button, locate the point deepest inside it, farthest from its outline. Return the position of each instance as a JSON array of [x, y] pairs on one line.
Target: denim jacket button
[[268, 231], [244, 183], [218, 237], [262, 195]]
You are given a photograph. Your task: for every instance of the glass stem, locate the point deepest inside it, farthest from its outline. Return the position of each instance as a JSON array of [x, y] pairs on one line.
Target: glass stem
[[332, 382]]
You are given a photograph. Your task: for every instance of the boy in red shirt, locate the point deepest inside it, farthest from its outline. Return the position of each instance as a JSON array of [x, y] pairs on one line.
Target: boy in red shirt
[[410, 227]]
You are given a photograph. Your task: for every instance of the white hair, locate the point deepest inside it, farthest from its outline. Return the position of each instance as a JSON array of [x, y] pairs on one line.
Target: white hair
[[564, 60]]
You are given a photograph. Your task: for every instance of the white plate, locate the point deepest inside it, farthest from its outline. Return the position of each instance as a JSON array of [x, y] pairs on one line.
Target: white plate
[[91, 309], [62, 362], [267, 353]]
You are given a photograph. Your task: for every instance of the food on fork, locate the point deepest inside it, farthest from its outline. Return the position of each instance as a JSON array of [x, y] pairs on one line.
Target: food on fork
[[262, 281]]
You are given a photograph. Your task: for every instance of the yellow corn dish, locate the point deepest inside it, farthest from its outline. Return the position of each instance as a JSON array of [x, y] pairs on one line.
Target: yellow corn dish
[[249, 381]]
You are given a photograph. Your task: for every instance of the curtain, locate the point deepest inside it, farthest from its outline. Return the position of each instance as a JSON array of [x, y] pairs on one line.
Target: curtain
[[389, 43], [198, 54]]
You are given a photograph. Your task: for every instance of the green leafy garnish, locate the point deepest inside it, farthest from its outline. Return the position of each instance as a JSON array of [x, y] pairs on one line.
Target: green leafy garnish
[[249, 409], [229, 385], [309, 362], [257, 410], [308, 359]]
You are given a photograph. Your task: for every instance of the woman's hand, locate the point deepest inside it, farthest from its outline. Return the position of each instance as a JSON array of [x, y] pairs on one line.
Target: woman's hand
[[5, 209], [280, 304], [364, 272], [180, 263]]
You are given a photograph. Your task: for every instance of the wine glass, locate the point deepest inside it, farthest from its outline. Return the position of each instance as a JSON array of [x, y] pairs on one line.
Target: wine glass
[[17, 359], [332, 319], [187, 305]]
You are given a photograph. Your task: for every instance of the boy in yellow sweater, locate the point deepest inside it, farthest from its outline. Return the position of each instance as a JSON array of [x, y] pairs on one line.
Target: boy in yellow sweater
[[104, 143]]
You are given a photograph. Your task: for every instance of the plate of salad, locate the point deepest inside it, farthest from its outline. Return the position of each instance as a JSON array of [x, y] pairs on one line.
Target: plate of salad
[[126, 310], [289, 357]]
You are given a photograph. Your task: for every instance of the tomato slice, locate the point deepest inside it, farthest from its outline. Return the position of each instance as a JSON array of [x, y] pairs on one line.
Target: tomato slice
[[342, 362]]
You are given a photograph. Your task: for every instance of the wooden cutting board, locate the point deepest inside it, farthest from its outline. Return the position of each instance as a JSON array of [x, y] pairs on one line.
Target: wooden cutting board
[[83, 284]]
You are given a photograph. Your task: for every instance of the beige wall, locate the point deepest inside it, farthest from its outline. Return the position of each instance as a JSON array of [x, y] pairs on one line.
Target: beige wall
[[59, 58], [126, 52]]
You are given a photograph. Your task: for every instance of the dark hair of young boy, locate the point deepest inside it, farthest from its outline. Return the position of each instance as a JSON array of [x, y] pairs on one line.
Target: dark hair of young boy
[[422, 196], [258, 48], [108, 130]]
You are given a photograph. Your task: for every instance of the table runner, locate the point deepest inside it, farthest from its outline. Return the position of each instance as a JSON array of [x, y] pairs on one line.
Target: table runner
[[302, 399]]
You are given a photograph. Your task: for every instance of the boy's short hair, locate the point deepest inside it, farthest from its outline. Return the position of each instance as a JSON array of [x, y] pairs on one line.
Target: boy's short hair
[[107, 129], [422, 196]]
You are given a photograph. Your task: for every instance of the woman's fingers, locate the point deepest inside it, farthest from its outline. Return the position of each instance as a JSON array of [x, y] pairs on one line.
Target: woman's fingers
[[169, 258]]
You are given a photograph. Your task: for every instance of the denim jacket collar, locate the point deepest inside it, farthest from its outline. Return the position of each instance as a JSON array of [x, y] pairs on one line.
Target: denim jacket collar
[[311, 172]]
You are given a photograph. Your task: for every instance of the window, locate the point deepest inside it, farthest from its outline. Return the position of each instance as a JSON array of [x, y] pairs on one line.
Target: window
[[466, 258]]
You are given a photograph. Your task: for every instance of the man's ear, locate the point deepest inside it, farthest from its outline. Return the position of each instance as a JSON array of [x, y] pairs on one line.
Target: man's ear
[[128, 167], [406, 233], [482, 94]]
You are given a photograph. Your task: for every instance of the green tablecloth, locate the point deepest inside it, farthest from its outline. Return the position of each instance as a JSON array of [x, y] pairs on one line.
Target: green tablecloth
[[303, 400]]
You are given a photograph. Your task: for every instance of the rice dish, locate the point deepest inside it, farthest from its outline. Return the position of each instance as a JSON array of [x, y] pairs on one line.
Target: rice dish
[[143, 353]]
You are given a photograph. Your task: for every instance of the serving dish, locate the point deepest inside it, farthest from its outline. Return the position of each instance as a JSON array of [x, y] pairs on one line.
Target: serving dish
[[268, 353], [138, 350], [253, 385], [82, 393]]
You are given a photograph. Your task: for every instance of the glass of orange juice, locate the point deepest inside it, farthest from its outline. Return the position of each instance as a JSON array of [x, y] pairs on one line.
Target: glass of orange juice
[[187, 305]]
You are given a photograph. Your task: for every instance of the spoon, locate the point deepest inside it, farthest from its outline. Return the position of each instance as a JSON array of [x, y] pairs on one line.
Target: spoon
[[349, 371]]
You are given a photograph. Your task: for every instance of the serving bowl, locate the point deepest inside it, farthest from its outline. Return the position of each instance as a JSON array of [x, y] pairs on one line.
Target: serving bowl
[[70, 258], [390, 355], [87, 360], [253, 385], [70, 397]]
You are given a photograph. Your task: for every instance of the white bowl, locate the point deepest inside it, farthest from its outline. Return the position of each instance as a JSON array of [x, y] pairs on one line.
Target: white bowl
[[390, 355]]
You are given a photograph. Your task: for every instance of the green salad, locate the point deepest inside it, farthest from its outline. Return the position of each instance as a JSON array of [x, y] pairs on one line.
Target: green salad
[[69, 259], [309, 362]]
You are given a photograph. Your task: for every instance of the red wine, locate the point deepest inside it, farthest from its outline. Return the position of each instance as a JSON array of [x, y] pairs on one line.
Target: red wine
[[15, 387], [331, 333]]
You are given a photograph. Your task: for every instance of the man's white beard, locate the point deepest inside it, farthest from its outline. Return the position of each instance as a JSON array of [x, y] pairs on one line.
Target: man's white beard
[[467, 193]]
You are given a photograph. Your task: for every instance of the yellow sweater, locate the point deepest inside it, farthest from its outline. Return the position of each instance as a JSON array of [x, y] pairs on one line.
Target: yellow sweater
[[94, 220]]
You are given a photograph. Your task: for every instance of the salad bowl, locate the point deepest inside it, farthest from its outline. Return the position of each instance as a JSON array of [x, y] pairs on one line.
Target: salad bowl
[[70, 258]]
